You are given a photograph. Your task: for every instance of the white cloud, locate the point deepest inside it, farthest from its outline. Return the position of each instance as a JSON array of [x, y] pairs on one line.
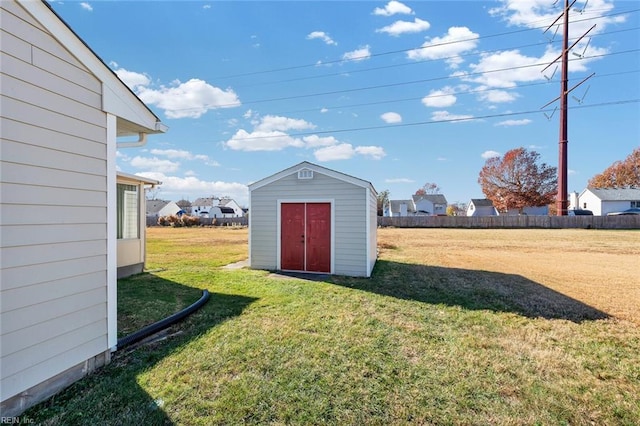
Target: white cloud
[[175, 187], [447, 116], [391, 117], [190, 99], [322, 36], [405, 27], [270, 123], [440, 98], [324, 110], [206, 6], [314, 141], [509, 123], [336, 152], [374, 152], [358, 55], [86, 6], [457, 41], [154, 164], [262, 141], [183, 155], [497, 96], [392, 8], [346, 151], [399, 180], [531, 13], [490, 154], [131, 78]]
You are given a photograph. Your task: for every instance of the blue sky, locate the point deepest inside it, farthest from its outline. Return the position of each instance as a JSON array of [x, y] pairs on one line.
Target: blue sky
[[396, 93]]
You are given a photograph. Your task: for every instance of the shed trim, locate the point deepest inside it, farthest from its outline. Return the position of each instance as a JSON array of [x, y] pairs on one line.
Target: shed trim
[[315, 168]]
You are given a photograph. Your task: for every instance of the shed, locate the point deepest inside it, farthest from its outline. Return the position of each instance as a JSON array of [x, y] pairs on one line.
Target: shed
[[310, 218], [62, 112]]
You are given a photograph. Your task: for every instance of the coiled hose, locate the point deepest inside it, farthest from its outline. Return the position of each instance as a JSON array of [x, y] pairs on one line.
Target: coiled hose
[[162, 324]]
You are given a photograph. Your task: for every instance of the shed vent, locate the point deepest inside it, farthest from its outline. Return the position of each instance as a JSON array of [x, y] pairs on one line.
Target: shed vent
[[305, 174]]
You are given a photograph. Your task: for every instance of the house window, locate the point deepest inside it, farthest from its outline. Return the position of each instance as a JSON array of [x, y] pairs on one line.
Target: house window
[[584, 205], [128, 215], [635, 204]]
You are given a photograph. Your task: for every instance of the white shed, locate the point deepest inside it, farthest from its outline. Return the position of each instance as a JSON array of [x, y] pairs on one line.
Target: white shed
[[312, 219], [62, 112]]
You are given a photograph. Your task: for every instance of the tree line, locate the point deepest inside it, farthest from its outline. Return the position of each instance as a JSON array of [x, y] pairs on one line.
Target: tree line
[[518, 179]]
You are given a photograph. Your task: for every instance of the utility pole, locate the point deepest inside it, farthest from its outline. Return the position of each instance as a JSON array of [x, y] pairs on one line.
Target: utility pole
[[562, 197], [563, 193]]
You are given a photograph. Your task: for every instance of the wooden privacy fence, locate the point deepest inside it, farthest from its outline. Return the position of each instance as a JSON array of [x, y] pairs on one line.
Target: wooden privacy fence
[[550, 222]]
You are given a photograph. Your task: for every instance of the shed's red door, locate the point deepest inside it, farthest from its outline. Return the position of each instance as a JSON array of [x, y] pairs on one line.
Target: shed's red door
[[305, 236]]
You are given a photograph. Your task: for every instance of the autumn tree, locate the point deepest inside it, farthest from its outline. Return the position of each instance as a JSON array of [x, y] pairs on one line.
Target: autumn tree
[[428, 188], [517, 180], [383, 200], [621, 174], [457, 209]]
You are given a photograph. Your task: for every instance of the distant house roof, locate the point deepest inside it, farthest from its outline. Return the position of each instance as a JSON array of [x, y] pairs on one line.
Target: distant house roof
[[482, 202], [615, 194], [434, 198], [154, 206], [227, 210], [207, 201]]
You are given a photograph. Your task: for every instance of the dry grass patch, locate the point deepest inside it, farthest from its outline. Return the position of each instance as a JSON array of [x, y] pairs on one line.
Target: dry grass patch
[[596, 267]]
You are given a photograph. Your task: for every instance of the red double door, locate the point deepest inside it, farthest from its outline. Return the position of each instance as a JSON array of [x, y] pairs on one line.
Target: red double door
[[305, 237]]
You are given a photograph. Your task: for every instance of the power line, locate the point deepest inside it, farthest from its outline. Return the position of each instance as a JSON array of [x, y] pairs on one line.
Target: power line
[[453, 93], [397, 84], [413, 63], [393, 52], [451, 120]]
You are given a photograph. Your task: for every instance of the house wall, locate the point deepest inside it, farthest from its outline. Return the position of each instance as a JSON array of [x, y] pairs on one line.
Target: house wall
[[350, 226], [592, 202], [53, 210]]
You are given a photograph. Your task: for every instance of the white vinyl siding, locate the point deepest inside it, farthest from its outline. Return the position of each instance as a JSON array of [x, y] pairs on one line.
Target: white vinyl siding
[[53, 207], [351, 227]]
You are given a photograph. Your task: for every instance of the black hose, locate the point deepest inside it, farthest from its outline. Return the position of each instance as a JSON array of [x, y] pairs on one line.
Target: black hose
[[162, 324]]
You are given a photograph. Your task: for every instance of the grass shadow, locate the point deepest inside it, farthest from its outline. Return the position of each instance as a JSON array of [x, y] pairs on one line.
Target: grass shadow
[[113, 392], [471, 289]]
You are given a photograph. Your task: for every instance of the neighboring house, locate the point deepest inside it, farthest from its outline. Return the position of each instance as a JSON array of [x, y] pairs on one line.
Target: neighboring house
[[481, 207], [161, 208], [430, 204], [604, 201], [312, 219], [131, 230], [400, 208], [231, 204], [63, 110], [212, 207]]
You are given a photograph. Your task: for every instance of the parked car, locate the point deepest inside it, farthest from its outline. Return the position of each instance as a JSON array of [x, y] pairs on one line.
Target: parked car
[[580, 212], [633, 210]]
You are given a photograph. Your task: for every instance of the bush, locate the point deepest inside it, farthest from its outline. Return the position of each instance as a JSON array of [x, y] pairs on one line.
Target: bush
[[179, 221]]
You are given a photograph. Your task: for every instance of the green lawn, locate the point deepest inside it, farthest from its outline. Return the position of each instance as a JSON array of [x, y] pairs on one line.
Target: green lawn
[[412, 345]]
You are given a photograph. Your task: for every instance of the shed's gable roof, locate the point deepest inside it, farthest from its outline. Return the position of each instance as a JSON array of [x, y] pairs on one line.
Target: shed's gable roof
[[615, 194], [117, 98], [316, 169]]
